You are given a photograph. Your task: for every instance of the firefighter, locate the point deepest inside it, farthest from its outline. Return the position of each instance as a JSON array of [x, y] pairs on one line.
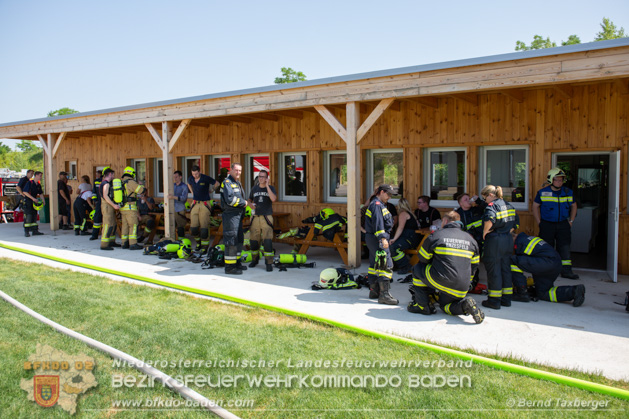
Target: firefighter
[[448, 259], [108, 210], [471, 211], [534, 255], [261, 198], [32, 195], [201, 186], [180, 196], [82, 204], [378, 226], [499, 219], [97, 200], [146, 205], [20, 186], [129, 211], [554, 210], [233, 202]]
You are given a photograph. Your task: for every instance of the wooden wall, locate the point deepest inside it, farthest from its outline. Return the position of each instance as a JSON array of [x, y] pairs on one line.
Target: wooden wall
[[590, 117]]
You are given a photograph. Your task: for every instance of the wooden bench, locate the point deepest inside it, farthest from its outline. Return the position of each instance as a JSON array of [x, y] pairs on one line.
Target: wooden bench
[[279, 221], [414, 253], [312, 240]]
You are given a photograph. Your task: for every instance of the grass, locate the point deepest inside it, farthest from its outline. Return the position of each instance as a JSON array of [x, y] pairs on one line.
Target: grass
[[156, 324]]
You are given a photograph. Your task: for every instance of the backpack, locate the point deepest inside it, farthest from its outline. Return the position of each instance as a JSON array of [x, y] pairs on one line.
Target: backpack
[[118, 192]]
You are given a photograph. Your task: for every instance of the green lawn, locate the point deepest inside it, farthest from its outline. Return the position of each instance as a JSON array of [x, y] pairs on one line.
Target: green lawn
[[155, 324]]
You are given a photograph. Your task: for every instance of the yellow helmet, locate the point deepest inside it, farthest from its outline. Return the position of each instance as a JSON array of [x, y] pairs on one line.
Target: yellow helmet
[[555, 172], [38, 205], [325, 213], [129, 171]]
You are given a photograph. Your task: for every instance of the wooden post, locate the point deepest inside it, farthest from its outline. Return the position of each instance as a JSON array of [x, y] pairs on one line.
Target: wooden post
[[168, 170], [353, 184], [51, 182]]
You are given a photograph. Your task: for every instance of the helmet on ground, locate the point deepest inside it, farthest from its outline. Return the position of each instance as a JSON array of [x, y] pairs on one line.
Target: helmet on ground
[[328, 277], [184, 252], [38, 205], [186, 243], [92, 214], [553, 173], [325, 213], [248, 211], [129, 171]]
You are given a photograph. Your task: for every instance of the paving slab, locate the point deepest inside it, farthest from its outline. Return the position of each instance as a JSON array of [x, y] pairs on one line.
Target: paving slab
[[591, 338]]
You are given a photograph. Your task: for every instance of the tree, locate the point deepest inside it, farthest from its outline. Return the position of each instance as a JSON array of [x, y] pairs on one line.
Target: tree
[[609, 31], [62, 111], [4, 149], [572, 39], [538, 43], [290, 76]]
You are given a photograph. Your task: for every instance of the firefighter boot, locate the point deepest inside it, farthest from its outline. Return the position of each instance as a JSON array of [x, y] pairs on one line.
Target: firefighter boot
[[385, 296], [470, 308], [232, 270], [254, 262], [36, 231], [492, 302], [27, 232], [579, 295], [521, 294], [374, 288], [269, 267]]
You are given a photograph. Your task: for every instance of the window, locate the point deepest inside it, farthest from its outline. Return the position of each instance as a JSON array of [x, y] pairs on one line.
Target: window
[[445, 173], [159, 177], [385, 167], [292, 176], [186, 165], [140, 170], [335, 176], [218, 169], [255, 163], [72, 171], [506, 167]]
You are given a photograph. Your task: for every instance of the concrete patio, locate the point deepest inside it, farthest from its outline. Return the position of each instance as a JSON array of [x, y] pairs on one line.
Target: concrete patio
[[592, 338]]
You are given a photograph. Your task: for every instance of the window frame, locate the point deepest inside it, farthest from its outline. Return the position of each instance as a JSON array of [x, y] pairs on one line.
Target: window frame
[[133, 164], [370, 186], [157, 164], [211, 170], [446, 203], [281, 183], [482, 172], [74, 174], [326, 177], [248, 182], [184, 166]]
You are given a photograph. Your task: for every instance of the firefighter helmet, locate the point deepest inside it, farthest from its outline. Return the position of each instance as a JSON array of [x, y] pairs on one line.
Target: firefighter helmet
[[187, 205], [325, 213], [38, 205], [248, 211], [327, 277], [186, 243], [129, 171], [92, 214], [184, 252], [555, 172]]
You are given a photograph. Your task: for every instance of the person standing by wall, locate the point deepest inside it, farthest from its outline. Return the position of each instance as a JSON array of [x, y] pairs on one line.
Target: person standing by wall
[[201, 187], [32, 195], [63, 196], [554, 210], [261, 198], [233, 202], [108, 208]]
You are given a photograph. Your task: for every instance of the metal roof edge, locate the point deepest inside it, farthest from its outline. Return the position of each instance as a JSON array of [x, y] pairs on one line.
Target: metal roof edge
[[568, 49]]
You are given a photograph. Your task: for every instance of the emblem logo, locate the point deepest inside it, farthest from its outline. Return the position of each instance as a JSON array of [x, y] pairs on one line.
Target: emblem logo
[[46, 389]]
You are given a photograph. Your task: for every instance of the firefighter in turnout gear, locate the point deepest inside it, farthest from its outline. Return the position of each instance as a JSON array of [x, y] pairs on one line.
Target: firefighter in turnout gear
[[32, 192], [448, 260], [262, 197], [108, 208], [378, 226], [499, 219], [233, 202], [97, 201], [129, 211], [201, 186], [554, 210], [534, 255], [471, 211]]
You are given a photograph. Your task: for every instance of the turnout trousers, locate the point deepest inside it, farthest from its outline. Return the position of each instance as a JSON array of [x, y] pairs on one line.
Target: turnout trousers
[[497, 259]]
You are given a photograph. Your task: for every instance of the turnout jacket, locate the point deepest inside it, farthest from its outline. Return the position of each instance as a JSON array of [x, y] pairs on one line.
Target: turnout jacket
[[472, 219], [554, 205], [232, 196], [451, 258], [378, 219], [535, 247], [330, 226], [502, 215]]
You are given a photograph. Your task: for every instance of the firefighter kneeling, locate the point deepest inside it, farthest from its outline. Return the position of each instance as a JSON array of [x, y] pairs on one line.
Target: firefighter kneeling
[[448, 260], [534, 255]]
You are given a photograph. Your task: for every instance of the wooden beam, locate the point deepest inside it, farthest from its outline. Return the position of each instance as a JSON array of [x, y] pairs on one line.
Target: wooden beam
[[564, 90], [354, 180], [264, 116], [180, 129], [236, 118], [515, 94], [373, 117], [428, 101], [466, 97], [43, 143], [336, 125], [168, 170], [156, 136], [51, 184], [62, 137], [290, 114]]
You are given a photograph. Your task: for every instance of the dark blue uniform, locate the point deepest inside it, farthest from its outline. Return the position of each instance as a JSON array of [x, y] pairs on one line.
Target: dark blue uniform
[[233, 202], [378, 225], [472, 220], [200, 214], [497, 251], [98, 214], [409, 239], [554, 227], [30, 214], [534, 255]]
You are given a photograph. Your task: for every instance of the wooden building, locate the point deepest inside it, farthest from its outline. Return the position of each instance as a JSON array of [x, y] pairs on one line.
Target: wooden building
[[437, 130]]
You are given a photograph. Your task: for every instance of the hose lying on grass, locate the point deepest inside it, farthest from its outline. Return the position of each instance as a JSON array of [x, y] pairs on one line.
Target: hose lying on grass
[[159, 376], [494, 363]]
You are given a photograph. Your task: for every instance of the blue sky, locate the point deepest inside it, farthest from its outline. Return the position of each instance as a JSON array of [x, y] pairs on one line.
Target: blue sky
[[91, 55]]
